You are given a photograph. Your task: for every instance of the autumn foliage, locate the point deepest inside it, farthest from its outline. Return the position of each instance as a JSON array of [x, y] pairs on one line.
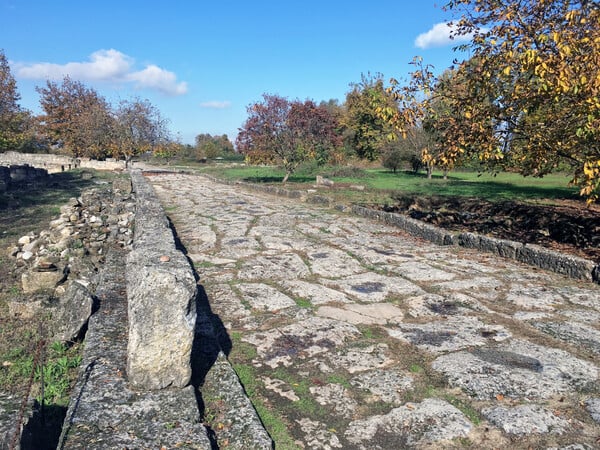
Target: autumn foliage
[[527, 98], [286, 132]]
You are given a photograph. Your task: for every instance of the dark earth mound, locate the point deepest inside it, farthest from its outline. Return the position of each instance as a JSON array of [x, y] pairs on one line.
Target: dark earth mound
[[565, 226]]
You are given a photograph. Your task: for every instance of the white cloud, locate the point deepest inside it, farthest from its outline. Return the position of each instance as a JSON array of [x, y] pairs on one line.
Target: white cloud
[[439, 36], [107, 66], [162, 80], [215, 104]]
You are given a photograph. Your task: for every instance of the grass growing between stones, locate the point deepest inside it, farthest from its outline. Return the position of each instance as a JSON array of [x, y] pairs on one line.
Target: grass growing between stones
[[273, 422], [303, 303]]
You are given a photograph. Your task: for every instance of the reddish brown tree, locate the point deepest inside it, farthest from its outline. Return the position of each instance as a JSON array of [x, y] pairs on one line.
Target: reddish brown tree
[[77, 119], [287, 133]]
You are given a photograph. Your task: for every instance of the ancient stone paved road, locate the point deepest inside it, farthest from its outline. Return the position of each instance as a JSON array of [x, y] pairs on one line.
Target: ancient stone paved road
[[351, 334]]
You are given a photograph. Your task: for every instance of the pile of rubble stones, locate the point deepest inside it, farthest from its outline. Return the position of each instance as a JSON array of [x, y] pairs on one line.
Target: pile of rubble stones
[[57, 267]]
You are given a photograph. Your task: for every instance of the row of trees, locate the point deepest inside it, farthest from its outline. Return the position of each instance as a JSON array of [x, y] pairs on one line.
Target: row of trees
[[291, 132], [78, 121], [527, 99]]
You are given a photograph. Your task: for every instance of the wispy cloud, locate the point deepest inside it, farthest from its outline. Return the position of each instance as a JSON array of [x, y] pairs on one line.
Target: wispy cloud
[[107, 66], [439, 36], [215, 104]]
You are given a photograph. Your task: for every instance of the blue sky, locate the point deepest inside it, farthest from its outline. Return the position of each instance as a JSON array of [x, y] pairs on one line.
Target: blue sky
[[202, 63]]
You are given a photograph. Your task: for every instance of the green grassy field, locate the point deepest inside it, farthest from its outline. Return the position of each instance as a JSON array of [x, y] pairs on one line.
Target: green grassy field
[[383, 184]]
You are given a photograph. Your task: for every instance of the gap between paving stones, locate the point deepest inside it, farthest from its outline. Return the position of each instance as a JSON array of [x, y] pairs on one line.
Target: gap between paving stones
[[350, 334]]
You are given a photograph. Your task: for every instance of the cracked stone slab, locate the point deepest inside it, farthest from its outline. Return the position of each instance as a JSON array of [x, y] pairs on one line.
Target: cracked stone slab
[[517, 369], [277, 266], [333, 263], [414, 424], [526, 419], [534, 298], [450, 304], [274, 239], [530, 315], [237, 247], [337, 396], [582, 315], [229, 304], [384, 385], [316, 293], [579, 296], [421, 271], [317, 436], [374, 313], [573, 333], [203, 238], [452, 334], [281, 388], [301, 340], [477, 286], [359, 359], [375, 288], [265, 297]]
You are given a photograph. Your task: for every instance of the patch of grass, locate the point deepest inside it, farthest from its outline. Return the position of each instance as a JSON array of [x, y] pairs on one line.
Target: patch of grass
[[415, 368], [275, 425], [381, 184], [303, 302], [247, 375], [204, 265], [339, 379], [371, 332], [465, 408], [243, 350], [57, 374]]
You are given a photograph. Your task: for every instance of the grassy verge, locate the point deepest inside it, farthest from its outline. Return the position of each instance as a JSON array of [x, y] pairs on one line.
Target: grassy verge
[[25, 210], [382, 185]]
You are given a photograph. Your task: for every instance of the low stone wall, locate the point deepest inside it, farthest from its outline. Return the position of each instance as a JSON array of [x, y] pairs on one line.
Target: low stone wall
[[108, 164], [57, 163], [17, 175]]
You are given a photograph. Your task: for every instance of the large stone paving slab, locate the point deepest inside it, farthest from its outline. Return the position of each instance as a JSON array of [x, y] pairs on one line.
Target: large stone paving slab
[[452, 334], [300, 340], [517, 369], [350, 334], [413, 424]]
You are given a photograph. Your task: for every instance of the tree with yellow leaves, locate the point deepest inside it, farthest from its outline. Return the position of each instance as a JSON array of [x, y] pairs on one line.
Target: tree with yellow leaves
[[530, 92]]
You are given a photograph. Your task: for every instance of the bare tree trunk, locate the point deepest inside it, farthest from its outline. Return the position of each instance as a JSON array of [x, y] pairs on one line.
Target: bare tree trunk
[[287, 175]]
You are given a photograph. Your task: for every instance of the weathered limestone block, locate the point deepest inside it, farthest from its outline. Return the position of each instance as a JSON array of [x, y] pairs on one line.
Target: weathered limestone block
[[36, 280], [71, 313], [161, 310], [161, 293]]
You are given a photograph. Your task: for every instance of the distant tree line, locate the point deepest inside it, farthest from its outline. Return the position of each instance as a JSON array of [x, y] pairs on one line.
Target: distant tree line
[[526, 100]]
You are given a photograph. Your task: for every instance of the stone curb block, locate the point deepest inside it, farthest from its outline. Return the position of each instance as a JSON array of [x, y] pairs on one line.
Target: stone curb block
[[161, 294]]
